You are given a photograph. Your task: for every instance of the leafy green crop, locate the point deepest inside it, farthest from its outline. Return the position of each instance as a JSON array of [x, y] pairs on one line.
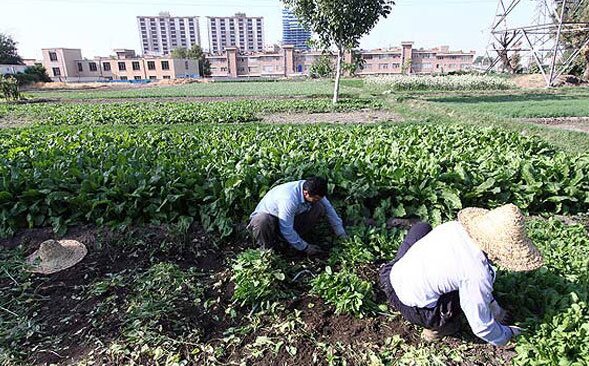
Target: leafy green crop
[[366, 245], [551, 302], [137, 113], [344, 290], [258, 276], [216, 174], [532, 105], [214, 89], [391, 83]]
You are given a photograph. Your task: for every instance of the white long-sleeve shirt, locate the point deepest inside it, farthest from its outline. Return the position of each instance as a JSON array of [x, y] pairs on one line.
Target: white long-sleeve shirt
[[446, 260]]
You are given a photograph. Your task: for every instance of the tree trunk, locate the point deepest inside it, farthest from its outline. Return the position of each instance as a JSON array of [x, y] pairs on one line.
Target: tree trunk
[[338, 72], [586, 74]]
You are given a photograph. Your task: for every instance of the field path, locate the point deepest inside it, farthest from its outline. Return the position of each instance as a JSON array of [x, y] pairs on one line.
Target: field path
[[580, 124], [364, 116]]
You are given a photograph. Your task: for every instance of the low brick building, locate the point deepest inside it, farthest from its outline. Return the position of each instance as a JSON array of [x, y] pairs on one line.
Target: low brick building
[[65, 64], [290, 62]]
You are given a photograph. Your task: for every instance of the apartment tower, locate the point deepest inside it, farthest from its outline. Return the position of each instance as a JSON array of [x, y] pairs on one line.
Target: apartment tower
[[241, 31], [163, 33]]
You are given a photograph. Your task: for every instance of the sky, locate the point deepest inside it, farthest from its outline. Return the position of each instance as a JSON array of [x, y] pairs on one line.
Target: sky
[[99, 26]]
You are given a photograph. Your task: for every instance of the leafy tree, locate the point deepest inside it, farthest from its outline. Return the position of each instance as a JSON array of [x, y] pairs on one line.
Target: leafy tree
[[8, 52], [356, 65], [33, 74], [322, 67], [510, 63], [196, 53], [340, 23]]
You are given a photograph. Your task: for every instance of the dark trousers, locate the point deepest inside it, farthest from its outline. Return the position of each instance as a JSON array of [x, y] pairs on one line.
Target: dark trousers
[[447, 308], [265, 228]]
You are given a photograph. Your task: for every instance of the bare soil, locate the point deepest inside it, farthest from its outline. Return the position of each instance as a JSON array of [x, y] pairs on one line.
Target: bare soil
[[363, 116], [536, 81], [65, 299], [580, 124]]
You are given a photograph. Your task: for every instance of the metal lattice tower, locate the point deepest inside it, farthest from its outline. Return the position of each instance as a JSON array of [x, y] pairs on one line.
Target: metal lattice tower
[[546, 41]]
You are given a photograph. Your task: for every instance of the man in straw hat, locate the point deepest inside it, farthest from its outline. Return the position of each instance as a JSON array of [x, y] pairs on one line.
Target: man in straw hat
[[56, 255], [440, 273]]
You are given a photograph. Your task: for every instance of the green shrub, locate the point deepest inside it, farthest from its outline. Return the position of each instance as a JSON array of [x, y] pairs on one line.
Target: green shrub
[[9, 88]]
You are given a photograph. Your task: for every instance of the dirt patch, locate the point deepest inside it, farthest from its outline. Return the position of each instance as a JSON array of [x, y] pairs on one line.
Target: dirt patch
[[580, 124], [69, 315], [536, 81], [11, 122], [363, 116]]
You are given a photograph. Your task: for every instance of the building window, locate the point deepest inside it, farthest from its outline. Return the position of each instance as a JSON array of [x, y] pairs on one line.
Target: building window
[[106, 66], [56, 71], [80, 67], [123, 78], [137, 77], [165, 65], [166, 76], [151, 65], [136, 65], [108, 78], [186, 65], [152, 77], [122, 66], [52, 56], [383, 66], [92, 66]]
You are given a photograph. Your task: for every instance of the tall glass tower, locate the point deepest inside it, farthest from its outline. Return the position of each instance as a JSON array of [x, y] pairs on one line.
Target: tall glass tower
[[293, 32]]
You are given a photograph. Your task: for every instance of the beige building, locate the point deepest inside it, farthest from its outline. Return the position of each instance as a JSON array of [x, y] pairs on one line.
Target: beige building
[[241, 31], [65, 64], [162, 34], [290, 62]]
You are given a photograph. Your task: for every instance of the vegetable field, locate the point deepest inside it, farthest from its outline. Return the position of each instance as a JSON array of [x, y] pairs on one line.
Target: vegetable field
[[572, 104], [160, 193], [216, 89]]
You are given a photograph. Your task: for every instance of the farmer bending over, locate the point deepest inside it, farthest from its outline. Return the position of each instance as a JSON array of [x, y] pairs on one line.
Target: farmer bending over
[[440, 273], [290, 210]]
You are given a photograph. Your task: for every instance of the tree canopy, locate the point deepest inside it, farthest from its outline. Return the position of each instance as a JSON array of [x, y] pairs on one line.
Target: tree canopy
[[340, 23], [196, 53], [8, 51]]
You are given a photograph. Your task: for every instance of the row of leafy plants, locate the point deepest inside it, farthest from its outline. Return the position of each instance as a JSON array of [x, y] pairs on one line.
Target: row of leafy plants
[[551, 304], [206, 89], [216, 174], [392, 83], [135, 113]]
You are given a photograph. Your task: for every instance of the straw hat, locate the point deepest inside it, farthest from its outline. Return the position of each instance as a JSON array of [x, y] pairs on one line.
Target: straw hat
[[501, 233], [54, 256]]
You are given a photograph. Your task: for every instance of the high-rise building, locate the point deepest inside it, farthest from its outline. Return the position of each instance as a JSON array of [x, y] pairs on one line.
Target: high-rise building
[[293, 32], [163, 33], [246, 33]]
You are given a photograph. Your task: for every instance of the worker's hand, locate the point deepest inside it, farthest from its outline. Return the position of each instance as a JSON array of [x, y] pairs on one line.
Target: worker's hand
[[313, 250], [515, 330]]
